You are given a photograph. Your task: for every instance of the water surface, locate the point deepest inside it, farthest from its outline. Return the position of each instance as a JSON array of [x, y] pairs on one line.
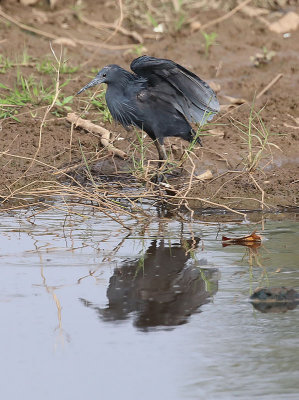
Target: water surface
[[92, 310]]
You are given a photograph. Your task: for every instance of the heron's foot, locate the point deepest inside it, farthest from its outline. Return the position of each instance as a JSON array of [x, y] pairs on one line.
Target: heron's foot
[[162, 176], [158, 178], [175, 172]]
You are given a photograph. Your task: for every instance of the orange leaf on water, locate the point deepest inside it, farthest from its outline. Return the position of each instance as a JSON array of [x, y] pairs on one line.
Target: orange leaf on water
[[249, 240]]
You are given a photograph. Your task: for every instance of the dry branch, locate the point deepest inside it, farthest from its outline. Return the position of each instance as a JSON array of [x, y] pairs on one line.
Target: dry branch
[[223, 17], [105, 135], [57, 38], [101, 25], [275, 80]]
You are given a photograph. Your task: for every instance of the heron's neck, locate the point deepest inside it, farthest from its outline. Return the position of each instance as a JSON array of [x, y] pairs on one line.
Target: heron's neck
[[124, 78]]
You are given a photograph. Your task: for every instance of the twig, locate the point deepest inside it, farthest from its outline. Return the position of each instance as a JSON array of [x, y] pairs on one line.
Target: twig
[[18, 65], [71, 141], [104, 46], [104, 133], [226, 182], [223, 174], [122, 30], [233, 109], [275, 80], [209, 202], [260, 189], [246, 198], [74, 167], [189, 184], [55, 37], [26, 27], [226, 16], [119, 22]]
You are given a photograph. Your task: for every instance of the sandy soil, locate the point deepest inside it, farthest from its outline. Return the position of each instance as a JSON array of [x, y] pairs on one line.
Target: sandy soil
[[228, 66]]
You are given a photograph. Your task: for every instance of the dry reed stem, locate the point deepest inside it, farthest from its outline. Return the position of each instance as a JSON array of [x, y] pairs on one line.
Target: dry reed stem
[[190, 179], [260, 189]]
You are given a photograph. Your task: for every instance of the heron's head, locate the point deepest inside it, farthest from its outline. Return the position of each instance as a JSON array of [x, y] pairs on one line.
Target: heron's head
[[108, 74]]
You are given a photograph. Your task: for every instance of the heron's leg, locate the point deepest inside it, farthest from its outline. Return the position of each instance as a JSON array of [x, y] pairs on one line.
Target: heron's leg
[[161, 151], [162, 157]]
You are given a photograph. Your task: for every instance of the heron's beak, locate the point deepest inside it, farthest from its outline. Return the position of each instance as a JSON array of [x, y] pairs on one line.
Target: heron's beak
[[92, 83]]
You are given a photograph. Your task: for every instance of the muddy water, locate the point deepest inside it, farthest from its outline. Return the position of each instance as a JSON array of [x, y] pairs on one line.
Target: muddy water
[[90, 310]]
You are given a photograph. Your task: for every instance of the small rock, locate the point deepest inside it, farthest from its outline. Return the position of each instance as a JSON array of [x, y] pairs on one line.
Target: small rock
[[195, 26], [65, 42], [205, 175], [280, 294], [274, 300], [287, 23], [28, 2]]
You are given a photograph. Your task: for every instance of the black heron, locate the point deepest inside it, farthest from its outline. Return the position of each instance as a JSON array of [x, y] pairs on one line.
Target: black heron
[[161, 97]]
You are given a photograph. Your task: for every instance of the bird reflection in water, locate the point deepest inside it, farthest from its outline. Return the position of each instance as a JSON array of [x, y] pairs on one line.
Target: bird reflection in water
[[163, 288]]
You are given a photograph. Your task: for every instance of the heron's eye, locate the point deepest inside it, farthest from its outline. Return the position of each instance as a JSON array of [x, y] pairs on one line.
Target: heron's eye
[[104, 75]]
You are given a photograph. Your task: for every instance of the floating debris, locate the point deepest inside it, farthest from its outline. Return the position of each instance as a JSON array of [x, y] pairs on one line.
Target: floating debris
[[251, 240]]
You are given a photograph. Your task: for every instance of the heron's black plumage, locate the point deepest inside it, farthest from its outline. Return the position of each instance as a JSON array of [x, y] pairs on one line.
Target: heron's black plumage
[[196, 92], [161, 97]]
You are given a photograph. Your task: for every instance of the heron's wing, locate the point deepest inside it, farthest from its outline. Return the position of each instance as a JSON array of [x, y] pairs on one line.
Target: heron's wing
[[200, 100]]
